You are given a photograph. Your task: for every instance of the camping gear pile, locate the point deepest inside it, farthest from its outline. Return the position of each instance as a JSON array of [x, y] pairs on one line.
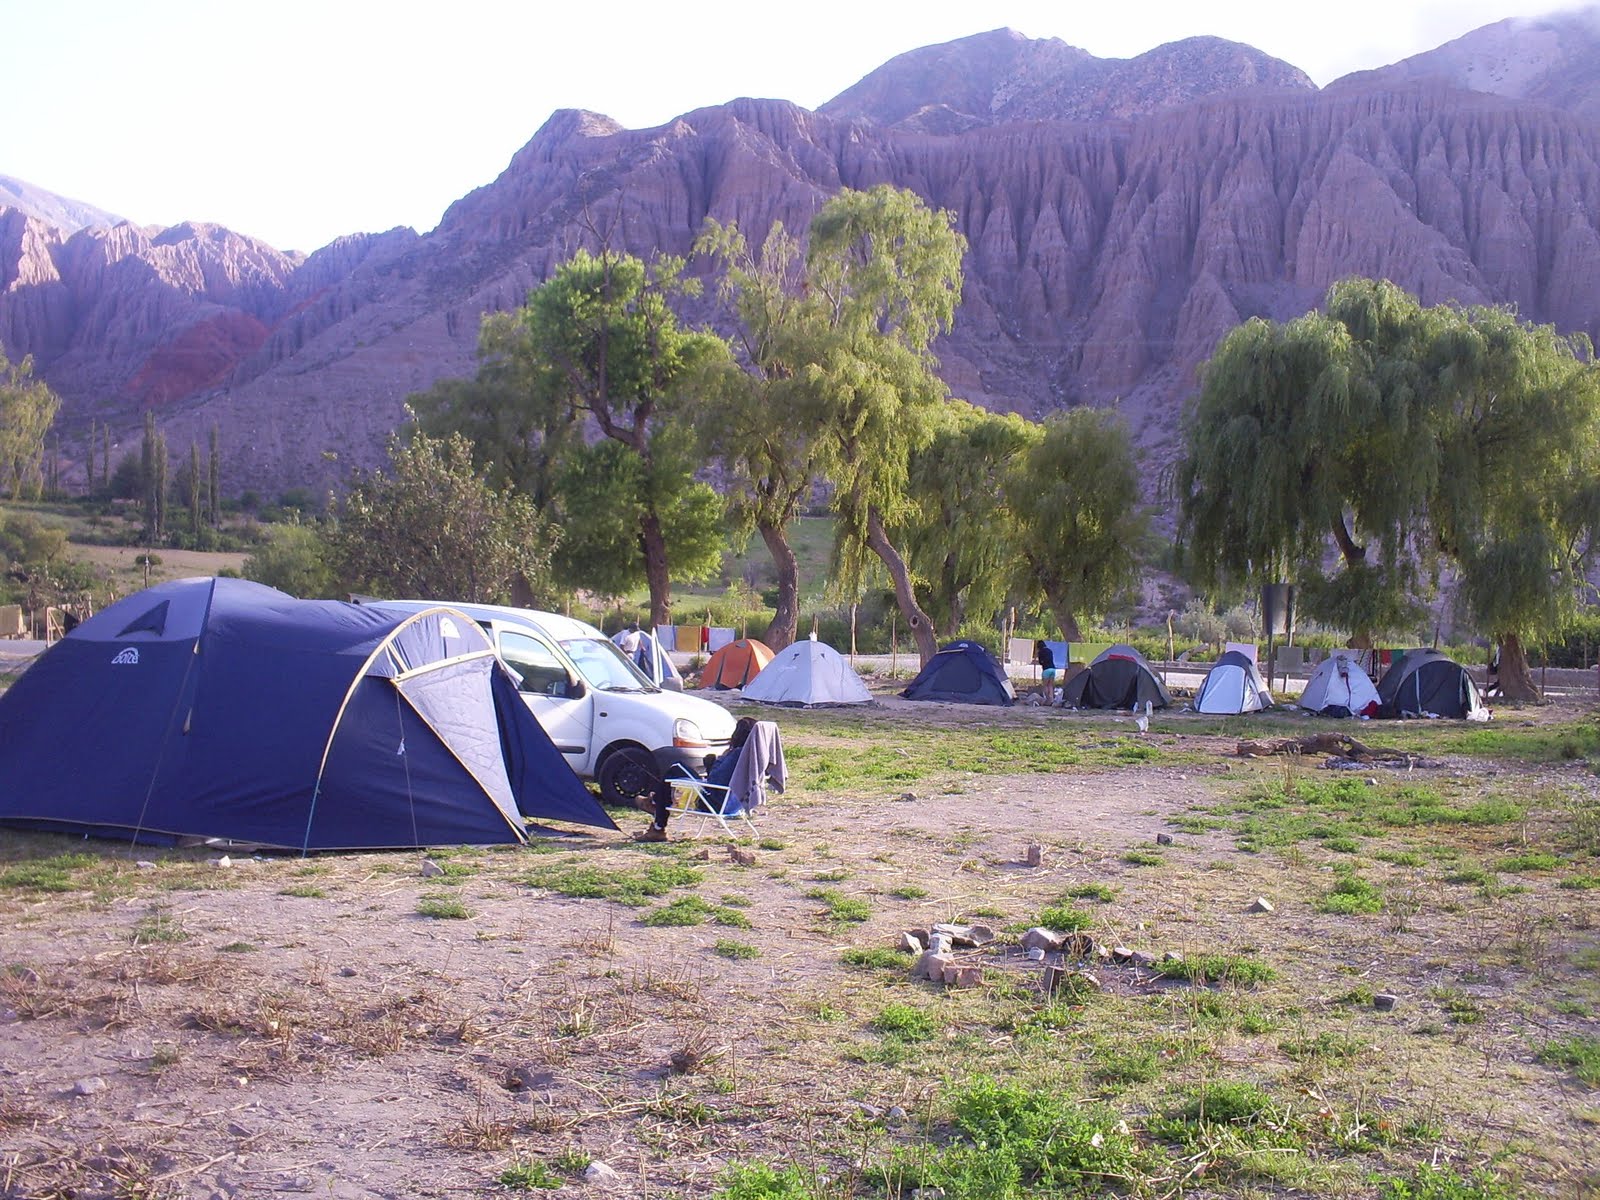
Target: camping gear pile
[[222, 709]]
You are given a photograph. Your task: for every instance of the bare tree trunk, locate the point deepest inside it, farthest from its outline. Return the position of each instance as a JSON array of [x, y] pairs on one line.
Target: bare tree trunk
[[654, 545], [1066, 618], [917, 620], [786, 616], [1516, 677]]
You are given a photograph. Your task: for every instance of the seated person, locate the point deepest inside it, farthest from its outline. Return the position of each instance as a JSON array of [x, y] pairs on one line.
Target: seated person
[[720, 773]]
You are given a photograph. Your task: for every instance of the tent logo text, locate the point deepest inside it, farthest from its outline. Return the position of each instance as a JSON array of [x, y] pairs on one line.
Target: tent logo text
[[127, 657]]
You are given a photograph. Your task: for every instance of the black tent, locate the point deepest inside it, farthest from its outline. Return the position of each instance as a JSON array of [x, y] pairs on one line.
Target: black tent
[[1428, 683], [1119, 678], [965, 673]]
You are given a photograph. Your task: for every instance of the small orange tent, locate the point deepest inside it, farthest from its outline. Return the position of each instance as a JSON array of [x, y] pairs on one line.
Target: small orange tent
[[736, 664]]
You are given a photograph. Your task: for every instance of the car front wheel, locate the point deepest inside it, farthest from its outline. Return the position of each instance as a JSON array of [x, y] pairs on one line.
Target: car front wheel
[[627, 775]]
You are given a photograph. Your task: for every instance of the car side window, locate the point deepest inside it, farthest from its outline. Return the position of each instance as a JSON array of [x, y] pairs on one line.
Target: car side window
[[540, 669]]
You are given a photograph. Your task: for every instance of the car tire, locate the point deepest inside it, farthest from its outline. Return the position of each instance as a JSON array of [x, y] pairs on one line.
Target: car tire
[[627, 774]]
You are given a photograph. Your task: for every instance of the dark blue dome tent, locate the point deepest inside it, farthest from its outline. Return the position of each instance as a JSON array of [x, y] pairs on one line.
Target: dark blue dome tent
[[962, 673], [219, 708], [1428, 683]]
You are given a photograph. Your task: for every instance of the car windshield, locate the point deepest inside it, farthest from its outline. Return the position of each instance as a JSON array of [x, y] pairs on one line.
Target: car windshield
[[605, 667]]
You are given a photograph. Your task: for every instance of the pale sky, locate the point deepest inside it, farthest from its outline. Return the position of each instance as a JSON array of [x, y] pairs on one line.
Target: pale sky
[[297, 121]]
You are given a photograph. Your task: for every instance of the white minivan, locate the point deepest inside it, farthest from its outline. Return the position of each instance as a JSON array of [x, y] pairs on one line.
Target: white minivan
[[610, 723]]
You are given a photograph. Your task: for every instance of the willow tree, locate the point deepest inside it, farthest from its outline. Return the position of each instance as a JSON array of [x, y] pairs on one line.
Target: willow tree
[[1517, 502], [762, 418], [885, 271], [27, 410], [1314, 431], [1074, 501], [959, 530]]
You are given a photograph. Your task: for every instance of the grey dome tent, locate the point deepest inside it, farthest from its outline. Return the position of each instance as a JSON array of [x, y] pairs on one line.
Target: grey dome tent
[[1119, 677], [1233, 685], [1429, 683], [962, 673], [807, 674], [1340, 688]]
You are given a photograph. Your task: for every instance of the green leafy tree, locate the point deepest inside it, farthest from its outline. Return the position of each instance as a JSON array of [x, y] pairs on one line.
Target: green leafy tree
[[960, 529], [27, 410], [762, 416], [192, 493], [214, 479], [294, 559], [1074, 500], [886, 272], [434, 528]]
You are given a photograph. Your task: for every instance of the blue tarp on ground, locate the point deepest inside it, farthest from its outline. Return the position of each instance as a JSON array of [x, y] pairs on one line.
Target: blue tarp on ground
[[220, 708]]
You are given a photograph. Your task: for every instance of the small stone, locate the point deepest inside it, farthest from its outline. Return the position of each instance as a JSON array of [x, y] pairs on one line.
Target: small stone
[[896, 1115], [912, 944], [908, 797], [240, 1130], [965, 935], [348, 972], [89, 1085], [1035, 953], [1260, 905], [1033, 855], [144, 864], [968, 977], [740, 857], [931, 966], [9, 1015], [1051, 978], [1372, 781], [1163, 839], [871, 1111], [1045, 939], [1172, 956], [1121, 954], [1141, 959], [431, 869], [224, 861], [704, 855], [1085, 979], [602, 1173], [1385, 1001]]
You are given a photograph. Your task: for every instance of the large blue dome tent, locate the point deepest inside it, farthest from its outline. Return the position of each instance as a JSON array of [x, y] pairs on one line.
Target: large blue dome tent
[[220, 708], [962, 673]]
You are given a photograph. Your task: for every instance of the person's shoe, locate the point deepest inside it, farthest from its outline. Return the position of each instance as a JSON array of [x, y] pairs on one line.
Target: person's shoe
[[651, 834]]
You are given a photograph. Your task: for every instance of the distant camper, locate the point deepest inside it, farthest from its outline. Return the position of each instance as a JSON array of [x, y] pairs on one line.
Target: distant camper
[[1046, 658]]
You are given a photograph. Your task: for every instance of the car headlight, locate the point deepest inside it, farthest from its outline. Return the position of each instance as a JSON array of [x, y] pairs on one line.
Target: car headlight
[[686, 735]]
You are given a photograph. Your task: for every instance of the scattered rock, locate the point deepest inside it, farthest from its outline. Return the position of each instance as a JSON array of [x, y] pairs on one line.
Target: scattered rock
[[965, 935], [704, 855], [1035, 953], [911, 943], [144, 864], [1044, 939], [1078, 946], [908, 797], [1121, 954], [1260, 905], [1172, 956], [931, 966], [224, 861], [601, 1173], [896, 1115], [89, 1085], [431, 869], [1385, 1001], [1033, 855], [1372, 781], [1163, 839], [871, 1111], [9, 1015], [1141, 959], [740, 857], [1086, 980], [348, 972], [963, 976]]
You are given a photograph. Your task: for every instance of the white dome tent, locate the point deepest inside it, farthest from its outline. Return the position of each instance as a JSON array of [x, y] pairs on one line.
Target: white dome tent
[[1340, 688], [807, 674], [1233, 685]]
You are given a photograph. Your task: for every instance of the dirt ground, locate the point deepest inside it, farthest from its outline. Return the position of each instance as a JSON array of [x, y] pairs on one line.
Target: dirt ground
[[276, 1025]]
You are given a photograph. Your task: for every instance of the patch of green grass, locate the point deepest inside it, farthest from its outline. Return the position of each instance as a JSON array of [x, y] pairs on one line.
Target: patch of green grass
[[238, 948], [1143, 858], [1468, 873], [1328, 1044], [768, 1181], [1225, 1102], [685, 910], [1461, 1008], [1580, 1053], [303, 891], [1103, 892], [443, 908], [770, 843], [635, 888], [909, 891], [729, 948], [1430, 1182], [1126, 1062], [837, 875], [54, 874], [1063, 918], [841, 907], [1400, 858], [1580, 883], [529, 1174], [159, 926], [1217, 968], [876, 958], [1352, 895], [1532, 860], [906, 1022]]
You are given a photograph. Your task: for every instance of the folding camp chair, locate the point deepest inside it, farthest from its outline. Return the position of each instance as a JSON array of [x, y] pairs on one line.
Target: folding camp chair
[[694, 797]]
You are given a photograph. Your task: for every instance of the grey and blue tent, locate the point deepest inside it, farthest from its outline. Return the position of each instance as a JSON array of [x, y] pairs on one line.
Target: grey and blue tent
[[1119, 677], [219, 708], [963, 673], [1426, 683]]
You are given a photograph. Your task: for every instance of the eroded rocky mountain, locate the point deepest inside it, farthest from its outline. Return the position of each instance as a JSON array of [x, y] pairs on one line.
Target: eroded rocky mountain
[[1106, 256]]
